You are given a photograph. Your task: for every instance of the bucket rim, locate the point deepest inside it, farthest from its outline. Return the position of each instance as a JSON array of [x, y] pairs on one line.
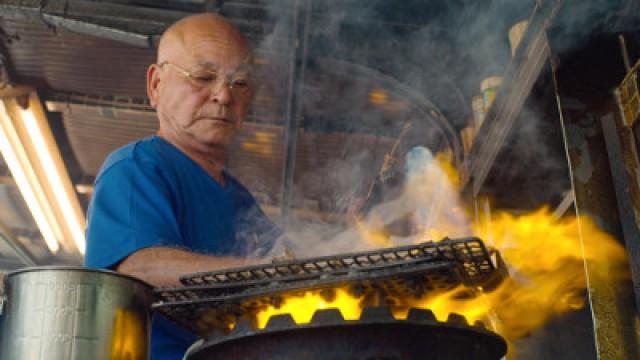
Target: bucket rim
[[75, 269]]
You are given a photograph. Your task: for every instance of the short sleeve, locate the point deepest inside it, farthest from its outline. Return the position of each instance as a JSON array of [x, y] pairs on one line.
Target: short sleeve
[[132, 208]]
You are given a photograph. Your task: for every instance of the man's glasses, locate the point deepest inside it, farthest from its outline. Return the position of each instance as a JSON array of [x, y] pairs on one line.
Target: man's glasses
[[239, 85]]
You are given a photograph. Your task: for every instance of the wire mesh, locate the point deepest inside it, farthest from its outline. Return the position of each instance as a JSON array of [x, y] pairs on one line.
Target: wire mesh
[[216, 300]]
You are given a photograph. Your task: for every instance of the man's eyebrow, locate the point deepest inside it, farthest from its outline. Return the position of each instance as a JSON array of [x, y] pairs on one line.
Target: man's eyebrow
[[208, 64]]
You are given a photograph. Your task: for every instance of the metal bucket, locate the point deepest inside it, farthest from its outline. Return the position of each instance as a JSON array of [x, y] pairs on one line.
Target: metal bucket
[[65, 313]]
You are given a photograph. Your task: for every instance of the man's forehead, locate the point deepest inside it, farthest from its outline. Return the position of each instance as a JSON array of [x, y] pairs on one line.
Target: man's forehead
[[245, 63], [217, 49]]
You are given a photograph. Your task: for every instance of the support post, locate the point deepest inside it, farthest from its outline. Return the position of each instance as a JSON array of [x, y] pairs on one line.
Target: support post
[[298, 63]]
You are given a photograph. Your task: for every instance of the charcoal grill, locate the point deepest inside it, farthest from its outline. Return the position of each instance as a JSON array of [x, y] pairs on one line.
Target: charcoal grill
[[376, 335], [218, 300]]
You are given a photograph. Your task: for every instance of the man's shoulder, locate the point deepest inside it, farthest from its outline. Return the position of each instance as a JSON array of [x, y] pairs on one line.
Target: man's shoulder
[[242, 193], [238, 187], [135, 153]]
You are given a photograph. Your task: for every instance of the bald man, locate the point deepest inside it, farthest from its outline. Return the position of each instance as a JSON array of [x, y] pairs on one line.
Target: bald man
[[164, 206]]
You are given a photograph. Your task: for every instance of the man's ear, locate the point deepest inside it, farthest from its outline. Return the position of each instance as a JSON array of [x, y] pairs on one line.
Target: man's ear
[[153, 83]]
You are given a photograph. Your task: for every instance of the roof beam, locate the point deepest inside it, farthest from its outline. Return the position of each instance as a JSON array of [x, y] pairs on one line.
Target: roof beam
[[135, 25]]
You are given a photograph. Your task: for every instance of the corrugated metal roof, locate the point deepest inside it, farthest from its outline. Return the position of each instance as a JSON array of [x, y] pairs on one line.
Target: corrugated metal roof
[[64, 61], [94, 132]]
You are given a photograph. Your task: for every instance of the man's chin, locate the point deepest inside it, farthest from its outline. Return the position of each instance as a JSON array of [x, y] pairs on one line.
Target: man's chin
[[217, 139]]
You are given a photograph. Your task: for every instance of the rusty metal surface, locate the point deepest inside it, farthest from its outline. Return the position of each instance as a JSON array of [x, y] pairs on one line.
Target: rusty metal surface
[[624, 170], [631, 163], [612, 303]]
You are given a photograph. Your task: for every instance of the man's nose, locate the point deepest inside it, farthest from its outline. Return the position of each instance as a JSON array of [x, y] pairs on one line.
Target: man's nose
[[221, 93]]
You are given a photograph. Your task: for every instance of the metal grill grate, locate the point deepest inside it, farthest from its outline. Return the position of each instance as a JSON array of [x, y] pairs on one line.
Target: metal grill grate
[[217, 299], [470, 253]]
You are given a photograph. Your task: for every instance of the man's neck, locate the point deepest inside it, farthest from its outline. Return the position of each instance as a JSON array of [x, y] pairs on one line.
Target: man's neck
[[211, 158]]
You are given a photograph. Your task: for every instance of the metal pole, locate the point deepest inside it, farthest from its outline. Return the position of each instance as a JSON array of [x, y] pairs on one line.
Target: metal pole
[[298, 64], [625, 52]]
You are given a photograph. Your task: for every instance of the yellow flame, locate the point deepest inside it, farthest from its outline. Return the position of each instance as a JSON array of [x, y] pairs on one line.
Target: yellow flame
[[128, 338], [303, 306], [546, 262], [545, 257], [445, 165]]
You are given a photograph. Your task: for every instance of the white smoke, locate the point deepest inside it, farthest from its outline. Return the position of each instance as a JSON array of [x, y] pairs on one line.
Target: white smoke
[[443, 61]]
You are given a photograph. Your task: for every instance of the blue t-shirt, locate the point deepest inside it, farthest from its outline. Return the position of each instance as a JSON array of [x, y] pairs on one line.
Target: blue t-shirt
[[149, 193]]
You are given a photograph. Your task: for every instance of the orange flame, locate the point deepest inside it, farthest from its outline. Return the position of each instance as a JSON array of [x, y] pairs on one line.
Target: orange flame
[[302, 306], [546, 257]]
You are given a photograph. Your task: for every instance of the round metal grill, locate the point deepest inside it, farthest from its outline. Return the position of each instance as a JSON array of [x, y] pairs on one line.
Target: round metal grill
[[376, 335]]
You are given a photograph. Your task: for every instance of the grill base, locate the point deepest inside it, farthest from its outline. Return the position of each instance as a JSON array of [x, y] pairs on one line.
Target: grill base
[[375, 336]]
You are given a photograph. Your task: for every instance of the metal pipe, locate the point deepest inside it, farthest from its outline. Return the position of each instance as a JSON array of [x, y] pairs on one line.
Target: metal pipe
[[87, 28], [298, 65], [625, 52], [565, 204]]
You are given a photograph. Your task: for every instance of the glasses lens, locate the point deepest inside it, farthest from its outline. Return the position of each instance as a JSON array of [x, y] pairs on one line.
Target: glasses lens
[[239, 85], [204, 78]]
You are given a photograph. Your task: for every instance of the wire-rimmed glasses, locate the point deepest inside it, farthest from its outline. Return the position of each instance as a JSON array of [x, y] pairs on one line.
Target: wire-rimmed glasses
[[239, 84]]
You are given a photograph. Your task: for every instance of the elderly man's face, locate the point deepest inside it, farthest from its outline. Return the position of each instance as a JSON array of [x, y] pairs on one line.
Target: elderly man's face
[[204, 88]]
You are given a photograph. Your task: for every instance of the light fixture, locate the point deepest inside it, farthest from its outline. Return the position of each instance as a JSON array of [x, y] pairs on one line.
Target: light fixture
[[35, 162]]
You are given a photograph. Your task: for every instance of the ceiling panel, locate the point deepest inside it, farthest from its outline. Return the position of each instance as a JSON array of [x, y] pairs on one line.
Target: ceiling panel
[[65, 61], [94, 132]]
